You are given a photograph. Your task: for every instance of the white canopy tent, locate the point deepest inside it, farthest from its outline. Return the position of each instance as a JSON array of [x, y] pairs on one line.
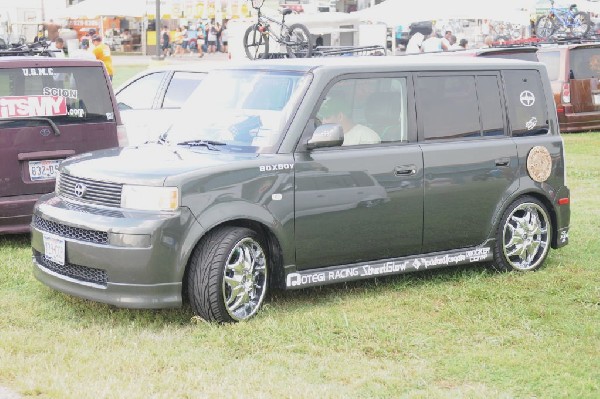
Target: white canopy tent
[[96, 8], [403, 12]]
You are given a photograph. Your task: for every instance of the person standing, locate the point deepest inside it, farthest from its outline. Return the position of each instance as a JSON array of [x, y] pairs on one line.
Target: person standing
[[432, 44], [165, 41], [447, 40], [52, 29], [415, 43], [102, 52]]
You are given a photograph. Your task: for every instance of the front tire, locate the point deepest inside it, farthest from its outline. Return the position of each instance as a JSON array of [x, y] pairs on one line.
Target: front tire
[[299, 43], [227, 280], [523, 236], [256, 43]]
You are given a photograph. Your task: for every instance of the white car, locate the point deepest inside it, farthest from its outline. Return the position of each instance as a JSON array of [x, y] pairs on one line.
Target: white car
[[150, 101]]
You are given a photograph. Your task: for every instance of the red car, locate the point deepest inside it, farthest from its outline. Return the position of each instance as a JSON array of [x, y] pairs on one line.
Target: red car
[[574, 70], [50, 109]]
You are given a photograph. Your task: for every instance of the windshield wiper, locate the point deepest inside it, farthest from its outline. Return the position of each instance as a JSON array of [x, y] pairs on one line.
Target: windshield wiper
[[210, 144]]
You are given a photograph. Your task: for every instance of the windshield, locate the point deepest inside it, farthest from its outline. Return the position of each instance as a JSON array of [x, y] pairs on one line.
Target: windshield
[[239, 110]]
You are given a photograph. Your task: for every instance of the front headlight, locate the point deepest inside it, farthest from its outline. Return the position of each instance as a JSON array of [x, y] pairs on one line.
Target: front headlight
[[150, 198]]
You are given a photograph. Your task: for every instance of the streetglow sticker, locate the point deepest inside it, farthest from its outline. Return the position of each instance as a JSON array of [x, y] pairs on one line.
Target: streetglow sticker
[[24, 106]]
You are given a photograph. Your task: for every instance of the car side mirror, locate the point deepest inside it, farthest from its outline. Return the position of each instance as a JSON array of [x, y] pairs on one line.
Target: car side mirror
[[326, 135]]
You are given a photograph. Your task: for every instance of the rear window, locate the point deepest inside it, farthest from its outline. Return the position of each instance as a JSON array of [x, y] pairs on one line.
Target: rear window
[[66, 95], [585, 63]]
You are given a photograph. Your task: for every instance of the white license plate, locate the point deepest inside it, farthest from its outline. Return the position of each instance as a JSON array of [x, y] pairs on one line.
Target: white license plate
[[43, 170], [596, 99], [54, 249]]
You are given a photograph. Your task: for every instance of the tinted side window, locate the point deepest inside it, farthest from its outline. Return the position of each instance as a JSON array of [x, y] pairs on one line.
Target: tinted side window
[[181, 86], [526, 103], [65, 94], [141, 93], [488, 93], [448, 106], [552, 61]]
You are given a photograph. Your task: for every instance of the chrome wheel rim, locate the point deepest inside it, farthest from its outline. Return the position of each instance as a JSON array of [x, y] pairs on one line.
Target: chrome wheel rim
[[526, 236], [245, 278]]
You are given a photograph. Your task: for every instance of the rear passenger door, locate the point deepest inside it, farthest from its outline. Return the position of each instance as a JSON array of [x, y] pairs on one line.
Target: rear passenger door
[[470, 162], [361, 202]]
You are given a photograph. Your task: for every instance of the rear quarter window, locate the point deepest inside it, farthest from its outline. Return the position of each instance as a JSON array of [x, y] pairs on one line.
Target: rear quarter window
[[526, 102], [552, 61], [67, 95]]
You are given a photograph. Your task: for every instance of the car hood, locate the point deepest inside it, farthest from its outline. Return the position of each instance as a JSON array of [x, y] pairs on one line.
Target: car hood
[[149, 164]]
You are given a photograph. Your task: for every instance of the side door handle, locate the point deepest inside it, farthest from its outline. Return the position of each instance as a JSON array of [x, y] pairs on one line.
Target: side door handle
[[405, 170], [502, 162]]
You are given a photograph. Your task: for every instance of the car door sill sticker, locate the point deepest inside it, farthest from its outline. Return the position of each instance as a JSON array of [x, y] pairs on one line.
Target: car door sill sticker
[[336, 274]]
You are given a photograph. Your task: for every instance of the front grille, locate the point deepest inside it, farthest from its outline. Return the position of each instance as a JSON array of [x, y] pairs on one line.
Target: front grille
[[96, 192], [76, 272], [75, 233]]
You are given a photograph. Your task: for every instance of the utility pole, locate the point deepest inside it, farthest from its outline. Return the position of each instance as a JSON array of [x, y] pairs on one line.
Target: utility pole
[[159, 55]]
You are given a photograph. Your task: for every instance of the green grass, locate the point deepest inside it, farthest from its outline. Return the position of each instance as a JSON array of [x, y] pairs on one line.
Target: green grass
[[460, 332], [124, 72]]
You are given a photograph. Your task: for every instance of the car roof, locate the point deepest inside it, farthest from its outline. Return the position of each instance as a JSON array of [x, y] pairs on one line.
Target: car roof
[[569, 46], [426, 62], [19, 61]]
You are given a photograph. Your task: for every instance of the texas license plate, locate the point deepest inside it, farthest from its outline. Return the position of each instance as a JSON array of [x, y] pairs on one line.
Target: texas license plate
[[54, 249], [43, 170]]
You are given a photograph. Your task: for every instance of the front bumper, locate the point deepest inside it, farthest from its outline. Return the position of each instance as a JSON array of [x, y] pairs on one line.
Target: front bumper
[[126, 259]]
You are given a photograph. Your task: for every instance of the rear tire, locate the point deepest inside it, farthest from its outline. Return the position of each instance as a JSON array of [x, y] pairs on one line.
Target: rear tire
[[545, 27], [523, 236], [228, 275], [256, 43], [581, 24], [300, 42]]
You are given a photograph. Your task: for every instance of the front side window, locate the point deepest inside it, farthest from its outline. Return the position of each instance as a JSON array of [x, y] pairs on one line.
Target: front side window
[[369, 110], [526, 103], [141, 93], [66, 95], [239, 110], [551, 59]]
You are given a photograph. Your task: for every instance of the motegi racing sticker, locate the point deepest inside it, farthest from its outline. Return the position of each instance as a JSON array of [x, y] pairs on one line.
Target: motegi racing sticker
[[23, 106], [347, 273]]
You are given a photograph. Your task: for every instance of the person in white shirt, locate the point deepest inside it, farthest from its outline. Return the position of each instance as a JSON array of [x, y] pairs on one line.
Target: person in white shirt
[[414, 43], [335, 110], [447, 40], [57, 47], [432, 44]]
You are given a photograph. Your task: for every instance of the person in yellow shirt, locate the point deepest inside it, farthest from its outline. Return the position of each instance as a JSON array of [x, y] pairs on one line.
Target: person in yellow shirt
[[102, 52]]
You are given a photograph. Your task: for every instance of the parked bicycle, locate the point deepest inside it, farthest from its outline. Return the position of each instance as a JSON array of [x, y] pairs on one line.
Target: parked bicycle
[[295, 38], [562, 21]]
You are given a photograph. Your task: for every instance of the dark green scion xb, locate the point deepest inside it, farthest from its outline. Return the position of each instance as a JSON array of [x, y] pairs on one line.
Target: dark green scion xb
[[303, 172]]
